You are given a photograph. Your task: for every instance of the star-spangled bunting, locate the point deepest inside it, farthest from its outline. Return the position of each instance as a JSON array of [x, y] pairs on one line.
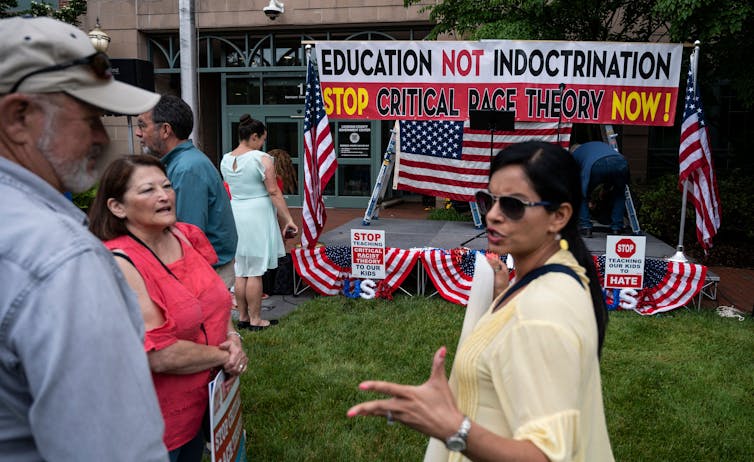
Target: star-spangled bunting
[[667, 285], [696, 167], [324, 268], [449, 159], [320, 160], [451, 272]]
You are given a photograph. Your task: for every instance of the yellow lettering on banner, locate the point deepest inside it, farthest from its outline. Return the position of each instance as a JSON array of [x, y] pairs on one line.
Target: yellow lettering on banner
[[349, 101], [634, 105]]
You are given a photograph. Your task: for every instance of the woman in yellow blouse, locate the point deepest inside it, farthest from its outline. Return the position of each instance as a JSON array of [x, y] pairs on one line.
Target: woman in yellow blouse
[[525, 384]]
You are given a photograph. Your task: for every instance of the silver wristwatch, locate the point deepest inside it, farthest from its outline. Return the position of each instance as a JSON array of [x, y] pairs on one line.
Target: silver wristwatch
[[457, 441]]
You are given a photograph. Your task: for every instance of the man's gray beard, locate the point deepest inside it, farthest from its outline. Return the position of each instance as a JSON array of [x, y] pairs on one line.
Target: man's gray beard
[[147, 151], [74, 176]]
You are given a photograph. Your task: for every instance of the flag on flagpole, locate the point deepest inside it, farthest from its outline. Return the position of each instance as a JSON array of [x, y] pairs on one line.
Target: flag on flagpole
[[320, 160], [696, 166], [449, 159]]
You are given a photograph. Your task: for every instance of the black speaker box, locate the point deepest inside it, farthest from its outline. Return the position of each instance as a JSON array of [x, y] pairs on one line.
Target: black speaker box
[[136, 72]]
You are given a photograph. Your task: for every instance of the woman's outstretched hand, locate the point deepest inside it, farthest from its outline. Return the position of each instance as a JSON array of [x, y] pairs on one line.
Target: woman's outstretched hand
[[429, 408]]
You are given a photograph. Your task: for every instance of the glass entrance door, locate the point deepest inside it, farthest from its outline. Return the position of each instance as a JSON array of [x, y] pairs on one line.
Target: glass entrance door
[[355, 143], [284, 131]]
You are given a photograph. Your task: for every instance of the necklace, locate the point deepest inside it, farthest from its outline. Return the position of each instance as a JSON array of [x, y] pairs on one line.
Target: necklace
[[142, 243]]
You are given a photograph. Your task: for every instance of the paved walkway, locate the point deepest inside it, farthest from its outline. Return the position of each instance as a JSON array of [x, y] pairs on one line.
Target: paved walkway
[[736, 285]]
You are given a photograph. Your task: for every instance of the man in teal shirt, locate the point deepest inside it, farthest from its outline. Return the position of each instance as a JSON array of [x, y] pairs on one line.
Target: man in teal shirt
[[201, 198]]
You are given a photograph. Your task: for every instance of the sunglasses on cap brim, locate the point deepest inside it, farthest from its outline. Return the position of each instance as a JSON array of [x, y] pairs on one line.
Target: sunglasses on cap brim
[[98, 62]]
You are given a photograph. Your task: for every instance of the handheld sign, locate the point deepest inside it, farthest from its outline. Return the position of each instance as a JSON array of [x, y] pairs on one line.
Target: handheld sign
[[624, 262], [228, 440], [368, 253]]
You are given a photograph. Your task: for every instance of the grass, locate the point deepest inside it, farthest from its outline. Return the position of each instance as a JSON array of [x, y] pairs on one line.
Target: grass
[[676, 387]]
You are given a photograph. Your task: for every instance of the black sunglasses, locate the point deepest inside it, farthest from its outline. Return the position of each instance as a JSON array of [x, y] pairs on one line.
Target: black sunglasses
[[98, 62], [513, 208]]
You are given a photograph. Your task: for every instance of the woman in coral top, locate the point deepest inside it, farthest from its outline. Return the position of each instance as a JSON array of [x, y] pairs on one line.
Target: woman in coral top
[[185, 304]]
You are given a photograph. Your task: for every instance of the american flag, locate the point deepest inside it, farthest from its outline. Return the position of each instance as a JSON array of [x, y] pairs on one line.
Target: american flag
[[667, 285], [449, 159], [696, 166], [324, 268], [320, 160]]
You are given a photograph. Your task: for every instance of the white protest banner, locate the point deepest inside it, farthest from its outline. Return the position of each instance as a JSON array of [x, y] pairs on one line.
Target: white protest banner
[[602, 82], [226, 420], [624, 262], [368, 253]]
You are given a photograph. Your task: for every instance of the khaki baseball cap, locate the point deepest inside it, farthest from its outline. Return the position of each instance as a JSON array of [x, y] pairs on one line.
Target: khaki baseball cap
[[46, 56]]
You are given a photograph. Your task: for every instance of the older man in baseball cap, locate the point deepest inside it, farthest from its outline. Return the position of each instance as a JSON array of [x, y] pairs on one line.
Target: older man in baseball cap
[[74, 379]]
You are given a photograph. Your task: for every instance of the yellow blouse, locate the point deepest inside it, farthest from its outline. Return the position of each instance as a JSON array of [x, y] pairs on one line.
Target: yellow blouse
[[530, 371]]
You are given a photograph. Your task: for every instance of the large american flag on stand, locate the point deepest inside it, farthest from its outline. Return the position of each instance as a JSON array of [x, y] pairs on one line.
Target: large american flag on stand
[[324, 268], [449, 159], [320, 160], [696, 166]]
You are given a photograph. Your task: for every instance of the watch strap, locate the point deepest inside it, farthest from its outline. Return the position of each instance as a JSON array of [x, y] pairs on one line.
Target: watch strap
[[457, 441]]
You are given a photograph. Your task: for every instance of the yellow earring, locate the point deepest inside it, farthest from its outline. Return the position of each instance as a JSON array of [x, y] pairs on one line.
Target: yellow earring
[[563, 243]]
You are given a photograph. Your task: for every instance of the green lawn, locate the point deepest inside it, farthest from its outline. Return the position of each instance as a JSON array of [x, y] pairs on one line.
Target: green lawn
[[677, 387]]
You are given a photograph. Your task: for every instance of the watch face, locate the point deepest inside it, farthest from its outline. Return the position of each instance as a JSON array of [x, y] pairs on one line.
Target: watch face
[[455, 443]]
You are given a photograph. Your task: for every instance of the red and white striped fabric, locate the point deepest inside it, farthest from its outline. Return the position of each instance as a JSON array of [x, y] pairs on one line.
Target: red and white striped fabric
[[324, 268], [451, 271], [320, 160], [682, 282], [449, 159], [696, 167], [667, 285]]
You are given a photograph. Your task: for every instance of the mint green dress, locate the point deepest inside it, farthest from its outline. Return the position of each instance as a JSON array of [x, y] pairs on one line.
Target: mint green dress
[[259, 241]]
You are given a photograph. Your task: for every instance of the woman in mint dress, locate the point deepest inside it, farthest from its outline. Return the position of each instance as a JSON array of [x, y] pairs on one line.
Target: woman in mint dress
[[260, 213]]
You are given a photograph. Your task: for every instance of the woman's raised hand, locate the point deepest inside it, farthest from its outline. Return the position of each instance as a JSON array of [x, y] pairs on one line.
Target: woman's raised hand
[[428, 408]]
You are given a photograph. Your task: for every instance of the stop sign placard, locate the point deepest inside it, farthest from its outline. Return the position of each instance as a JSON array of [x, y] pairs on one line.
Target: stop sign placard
[[624, 262], [625, 248]]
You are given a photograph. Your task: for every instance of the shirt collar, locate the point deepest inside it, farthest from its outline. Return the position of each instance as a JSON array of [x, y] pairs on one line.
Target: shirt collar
[[170, 156], [35, 188]]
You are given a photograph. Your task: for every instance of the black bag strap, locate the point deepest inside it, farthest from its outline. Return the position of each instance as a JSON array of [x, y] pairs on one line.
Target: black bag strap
[[118, 253], [534, 274]]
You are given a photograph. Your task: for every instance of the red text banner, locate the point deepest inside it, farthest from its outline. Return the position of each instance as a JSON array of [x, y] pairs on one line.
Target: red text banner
[[584, 82]]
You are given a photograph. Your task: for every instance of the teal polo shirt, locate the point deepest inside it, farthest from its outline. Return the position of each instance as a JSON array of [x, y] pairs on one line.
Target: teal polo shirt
[[201, 198]]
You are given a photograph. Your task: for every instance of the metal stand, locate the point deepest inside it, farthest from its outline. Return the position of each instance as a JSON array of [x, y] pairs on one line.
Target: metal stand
[[130, 136], [379, 187], [463, 244]]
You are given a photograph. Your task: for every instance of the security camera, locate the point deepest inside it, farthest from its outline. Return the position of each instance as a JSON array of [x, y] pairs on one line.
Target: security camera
[[274, 9]]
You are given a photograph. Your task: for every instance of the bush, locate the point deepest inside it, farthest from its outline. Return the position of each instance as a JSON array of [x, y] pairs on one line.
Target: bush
[[658, 207], [449, 213], [84, 199]]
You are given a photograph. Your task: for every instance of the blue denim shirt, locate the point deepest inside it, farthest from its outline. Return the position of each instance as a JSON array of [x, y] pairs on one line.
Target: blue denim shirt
[[201, 198], [589, 153], [74, 379]]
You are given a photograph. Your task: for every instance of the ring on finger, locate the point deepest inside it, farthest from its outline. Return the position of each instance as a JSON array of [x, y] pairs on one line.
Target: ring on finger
[[389, 417]]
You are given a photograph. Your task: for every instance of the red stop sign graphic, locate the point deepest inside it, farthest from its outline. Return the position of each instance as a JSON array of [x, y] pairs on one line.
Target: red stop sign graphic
[[625, 248]]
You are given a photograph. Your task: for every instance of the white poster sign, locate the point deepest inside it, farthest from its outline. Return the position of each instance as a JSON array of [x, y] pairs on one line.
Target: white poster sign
[[624, 262], [226, 420], [368, 253]]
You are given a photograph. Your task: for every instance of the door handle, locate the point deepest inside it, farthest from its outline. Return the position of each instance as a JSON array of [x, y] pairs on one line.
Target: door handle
[[296, 117]]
